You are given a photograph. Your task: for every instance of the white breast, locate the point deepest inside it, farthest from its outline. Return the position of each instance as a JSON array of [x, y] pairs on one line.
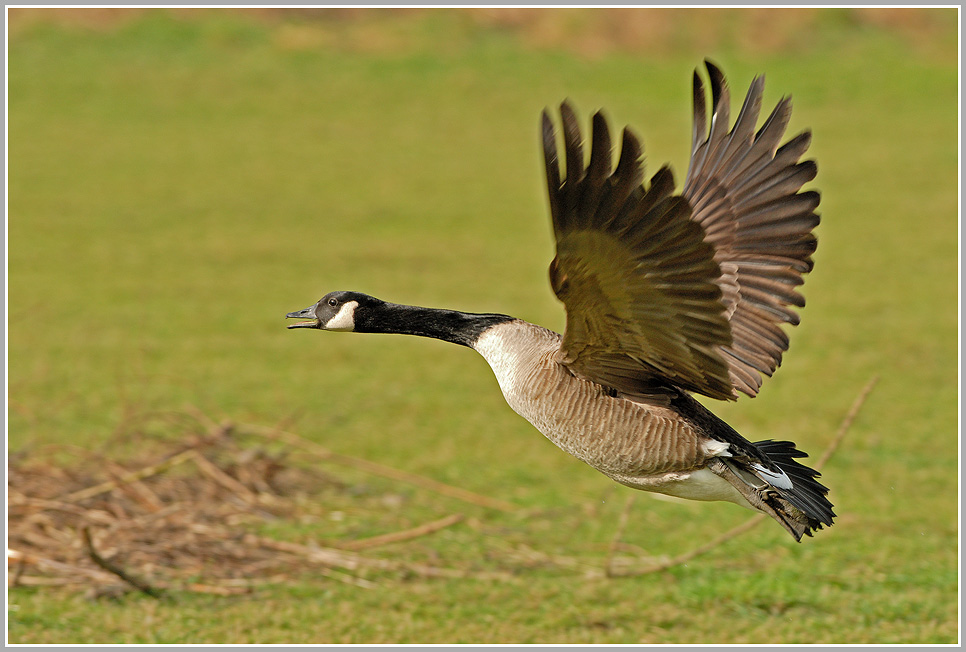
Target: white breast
[[516, 351]]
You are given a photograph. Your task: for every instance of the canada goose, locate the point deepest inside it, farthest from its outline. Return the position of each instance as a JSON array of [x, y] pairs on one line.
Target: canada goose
[[665, 295]]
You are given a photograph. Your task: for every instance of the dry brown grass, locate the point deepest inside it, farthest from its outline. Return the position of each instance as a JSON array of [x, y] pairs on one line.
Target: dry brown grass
[[185, 516], [588, 32]]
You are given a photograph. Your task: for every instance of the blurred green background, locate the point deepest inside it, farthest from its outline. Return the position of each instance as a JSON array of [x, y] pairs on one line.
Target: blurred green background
[[180, 179]]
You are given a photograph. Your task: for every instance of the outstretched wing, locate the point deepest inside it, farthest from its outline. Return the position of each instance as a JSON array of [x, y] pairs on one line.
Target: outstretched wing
[[633, 270], [692, 289], [743, 190]]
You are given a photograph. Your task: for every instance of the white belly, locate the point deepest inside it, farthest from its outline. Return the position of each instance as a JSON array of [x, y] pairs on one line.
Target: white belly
[[699, 484]]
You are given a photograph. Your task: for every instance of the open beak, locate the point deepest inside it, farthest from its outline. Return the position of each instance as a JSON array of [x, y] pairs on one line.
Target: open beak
[[309, 314]]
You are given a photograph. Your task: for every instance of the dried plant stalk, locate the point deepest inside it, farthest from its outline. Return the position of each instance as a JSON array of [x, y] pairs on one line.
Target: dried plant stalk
[[139, 584], [403, 535], [134, 476]]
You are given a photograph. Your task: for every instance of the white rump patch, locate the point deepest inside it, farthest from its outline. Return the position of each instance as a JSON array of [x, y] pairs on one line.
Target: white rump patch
[[345, 320], [779, 479], [717, 448]]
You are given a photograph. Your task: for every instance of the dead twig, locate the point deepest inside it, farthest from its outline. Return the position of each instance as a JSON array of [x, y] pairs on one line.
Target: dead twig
[[34, 505], [44, 581], [346, 578], [145, 588], [328, 558], [757, 518], [133, 476], [324, 556], [134, 489], [43, 563], [402, 535], [696, 552], [524, 554], [209, 468], [846, 424], [349, 561], [621, 526], [212, 589]]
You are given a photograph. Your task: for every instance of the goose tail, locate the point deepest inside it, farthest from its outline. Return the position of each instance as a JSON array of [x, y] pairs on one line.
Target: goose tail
[[786, 490], [806, 494]]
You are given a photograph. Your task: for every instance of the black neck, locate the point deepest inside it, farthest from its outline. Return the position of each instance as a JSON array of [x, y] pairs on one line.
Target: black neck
[[447, 325]]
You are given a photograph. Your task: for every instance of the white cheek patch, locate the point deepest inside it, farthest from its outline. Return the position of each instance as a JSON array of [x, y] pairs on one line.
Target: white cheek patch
[[345, 320]]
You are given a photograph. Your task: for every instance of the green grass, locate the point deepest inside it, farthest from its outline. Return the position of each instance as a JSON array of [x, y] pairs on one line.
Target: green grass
[[177, 185]]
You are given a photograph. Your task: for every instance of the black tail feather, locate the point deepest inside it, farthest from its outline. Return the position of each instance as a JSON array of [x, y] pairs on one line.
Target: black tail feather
[[806, 494]]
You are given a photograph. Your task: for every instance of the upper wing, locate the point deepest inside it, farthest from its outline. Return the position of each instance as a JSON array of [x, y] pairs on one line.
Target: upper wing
[[693, 289], [638, 279], [743, 190]]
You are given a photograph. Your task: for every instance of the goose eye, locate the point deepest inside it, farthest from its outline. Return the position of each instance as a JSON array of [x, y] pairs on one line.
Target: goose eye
[[333, 302]]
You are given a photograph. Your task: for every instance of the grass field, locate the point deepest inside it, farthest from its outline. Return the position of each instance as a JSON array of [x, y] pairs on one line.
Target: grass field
[[177, 182]]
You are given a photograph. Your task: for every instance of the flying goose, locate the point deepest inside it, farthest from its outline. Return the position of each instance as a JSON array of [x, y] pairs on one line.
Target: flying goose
[[666, 295]]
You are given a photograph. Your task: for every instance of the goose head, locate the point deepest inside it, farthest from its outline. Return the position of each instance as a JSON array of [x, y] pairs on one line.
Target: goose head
[[337, 311]]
